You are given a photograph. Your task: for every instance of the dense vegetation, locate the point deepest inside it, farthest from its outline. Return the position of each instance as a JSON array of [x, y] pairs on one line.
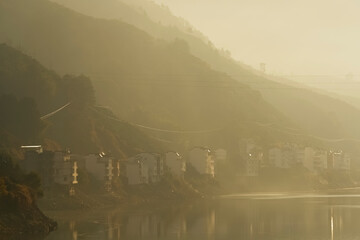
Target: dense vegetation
[[152, 82], [18, 193], [330, 118], [20, 118], [143, 80], [83, 127]]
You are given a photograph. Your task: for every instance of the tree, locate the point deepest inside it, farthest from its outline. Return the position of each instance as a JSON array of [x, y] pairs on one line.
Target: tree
[[12, 171], [80, 91], [20, 118]]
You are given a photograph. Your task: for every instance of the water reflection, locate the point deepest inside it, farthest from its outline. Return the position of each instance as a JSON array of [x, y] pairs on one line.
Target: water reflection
[[226, 218]]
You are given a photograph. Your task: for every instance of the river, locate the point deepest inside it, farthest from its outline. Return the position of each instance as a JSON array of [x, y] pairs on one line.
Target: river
[[239, 216]]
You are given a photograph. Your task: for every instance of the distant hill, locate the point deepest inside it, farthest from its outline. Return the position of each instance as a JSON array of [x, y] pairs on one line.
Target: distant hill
[[143, 80], [155, 19], [317, 113], [27, 88]]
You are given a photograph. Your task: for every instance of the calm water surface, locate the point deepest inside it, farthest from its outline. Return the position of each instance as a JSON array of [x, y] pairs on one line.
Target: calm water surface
[[231, 217]]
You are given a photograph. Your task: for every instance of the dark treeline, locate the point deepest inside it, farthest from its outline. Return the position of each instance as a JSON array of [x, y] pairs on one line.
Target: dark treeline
[[25, 97]]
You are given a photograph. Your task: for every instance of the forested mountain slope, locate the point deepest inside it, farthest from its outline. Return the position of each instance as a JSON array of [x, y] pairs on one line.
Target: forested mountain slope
[[140, 78], [319, 114], [29, 91]]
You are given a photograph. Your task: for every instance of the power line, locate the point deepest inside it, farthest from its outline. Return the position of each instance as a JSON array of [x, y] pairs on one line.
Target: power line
[[161, 139], [177, 131], [219, 74], [245, 85], [160, 129], [267, 125], [334, 140], [212, 81], [54, 112]]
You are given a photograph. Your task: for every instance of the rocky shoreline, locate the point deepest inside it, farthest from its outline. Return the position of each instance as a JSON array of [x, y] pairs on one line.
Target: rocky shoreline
[[19, 214]]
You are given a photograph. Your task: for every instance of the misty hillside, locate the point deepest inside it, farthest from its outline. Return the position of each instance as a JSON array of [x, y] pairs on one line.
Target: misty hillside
[[335, 87], [318, 113], [143, 80], [156, 19], [29, 90]]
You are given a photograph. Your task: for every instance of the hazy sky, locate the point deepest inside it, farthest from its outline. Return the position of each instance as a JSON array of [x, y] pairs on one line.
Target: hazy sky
[[290, 36]]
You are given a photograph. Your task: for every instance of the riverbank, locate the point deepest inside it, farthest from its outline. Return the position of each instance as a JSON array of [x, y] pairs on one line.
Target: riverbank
[[19, 214], [252, 216], [169, 191]]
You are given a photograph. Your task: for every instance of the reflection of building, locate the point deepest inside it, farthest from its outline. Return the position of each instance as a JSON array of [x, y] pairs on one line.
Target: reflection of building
[[205, 224], [145, 168], [202, 160], [175, 163], [144, 227]]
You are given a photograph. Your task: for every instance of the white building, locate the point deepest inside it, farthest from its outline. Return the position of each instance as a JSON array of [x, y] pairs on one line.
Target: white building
[[340, 160], [299, 155], [252, 165], [291, 155], [154, 164], [145, 168], [320, 160], [315, 160], [202, 160], [175, 163], [65, 170], [75, 174], [136, 172], [275, 158], [281, 157], [52, 167], [101, 167], [252, 157], [286, 156]]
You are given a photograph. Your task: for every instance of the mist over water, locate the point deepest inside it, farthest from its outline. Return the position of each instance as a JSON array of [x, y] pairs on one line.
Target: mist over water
[[245, 216]]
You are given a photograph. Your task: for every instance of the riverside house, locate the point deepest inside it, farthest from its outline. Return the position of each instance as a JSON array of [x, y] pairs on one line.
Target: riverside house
[[202, 160], [103, 168], [145, 168], [339, 160], [53, 167], [175, 163], [251, 156]]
